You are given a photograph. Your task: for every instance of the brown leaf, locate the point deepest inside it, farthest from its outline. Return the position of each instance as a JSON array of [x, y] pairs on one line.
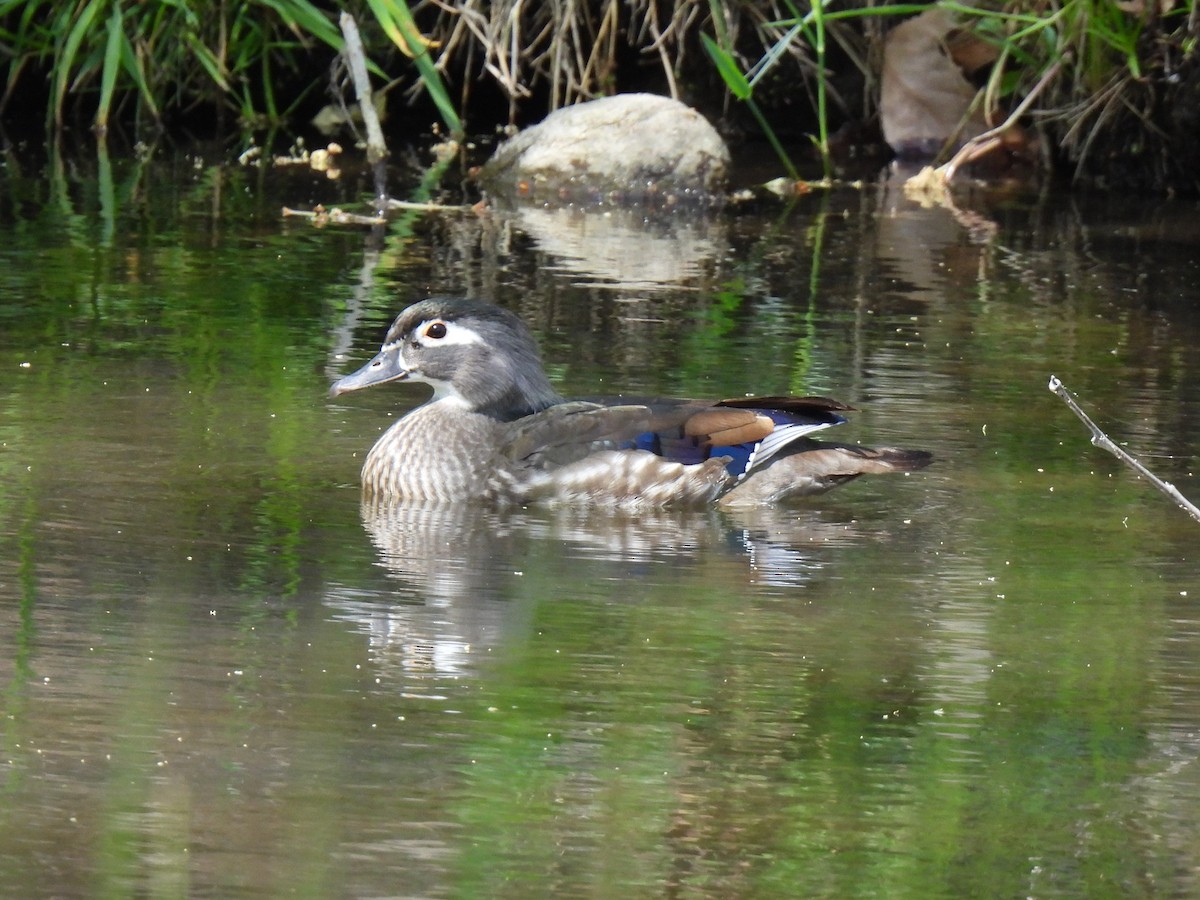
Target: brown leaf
[[924, 97]]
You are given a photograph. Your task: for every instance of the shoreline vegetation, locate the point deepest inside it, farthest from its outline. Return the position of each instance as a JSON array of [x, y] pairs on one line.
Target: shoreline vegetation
[[1107, 93]]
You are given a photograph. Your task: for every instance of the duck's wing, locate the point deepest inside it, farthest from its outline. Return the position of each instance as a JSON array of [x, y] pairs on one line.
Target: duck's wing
[[753, 430], [578, 425], [747, 430], [751, 451], [772, 456], [786, 463], [813, 467], [815, 406]]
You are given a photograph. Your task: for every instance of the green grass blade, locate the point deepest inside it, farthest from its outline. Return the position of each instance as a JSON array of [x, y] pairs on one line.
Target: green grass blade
[[818, 17], [269, 90], [207, 60], [776, 51], [727, 68], [65, 58], [732, 75], [137, 73], [303, 15], [773, 139], [397, 22], [111, 67]]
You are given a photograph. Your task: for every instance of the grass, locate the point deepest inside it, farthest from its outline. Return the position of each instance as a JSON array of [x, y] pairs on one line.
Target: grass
[[233, 56], [255, 62], [1102, 72]]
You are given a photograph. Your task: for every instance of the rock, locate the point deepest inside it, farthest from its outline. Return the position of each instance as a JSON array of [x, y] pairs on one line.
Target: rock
[[627, 149]]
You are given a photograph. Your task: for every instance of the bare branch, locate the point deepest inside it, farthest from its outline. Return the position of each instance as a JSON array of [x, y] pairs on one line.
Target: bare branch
[[1103, 441]]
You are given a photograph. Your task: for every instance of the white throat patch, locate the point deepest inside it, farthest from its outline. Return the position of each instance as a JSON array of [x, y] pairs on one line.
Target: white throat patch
[[444, 391]]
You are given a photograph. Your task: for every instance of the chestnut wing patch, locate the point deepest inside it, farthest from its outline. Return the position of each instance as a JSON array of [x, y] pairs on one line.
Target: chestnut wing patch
[[748, 431]]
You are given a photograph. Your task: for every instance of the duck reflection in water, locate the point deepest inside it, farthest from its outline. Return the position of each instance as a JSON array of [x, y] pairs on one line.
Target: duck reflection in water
[[454, 553], [465, 580]]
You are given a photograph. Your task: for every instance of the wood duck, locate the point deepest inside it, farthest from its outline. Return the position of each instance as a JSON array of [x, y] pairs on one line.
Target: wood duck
[[496, 430]]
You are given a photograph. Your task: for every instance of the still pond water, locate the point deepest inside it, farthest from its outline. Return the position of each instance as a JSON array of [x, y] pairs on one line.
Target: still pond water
[[222, 679]]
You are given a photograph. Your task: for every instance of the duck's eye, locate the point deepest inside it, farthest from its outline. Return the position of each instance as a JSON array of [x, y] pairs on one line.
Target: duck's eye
[[436, 331]]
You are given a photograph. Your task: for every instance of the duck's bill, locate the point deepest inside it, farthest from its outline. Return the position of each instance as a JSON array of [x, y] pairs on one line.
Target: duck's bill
[[385, 366]]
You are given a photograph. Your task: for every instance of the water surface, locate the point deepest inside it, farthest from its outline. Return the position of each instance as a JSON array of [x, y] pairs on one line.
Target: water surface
[[222, 677]]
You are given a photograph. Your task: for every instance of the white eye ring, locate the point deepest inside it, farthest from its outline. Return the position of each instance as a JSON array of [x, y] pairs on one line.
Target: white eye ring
[[439, 331]]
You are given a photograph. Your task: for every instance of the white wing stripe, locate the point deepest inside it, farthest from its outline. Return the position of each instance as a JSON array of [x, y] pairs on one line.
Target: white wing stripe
[[776, 441]]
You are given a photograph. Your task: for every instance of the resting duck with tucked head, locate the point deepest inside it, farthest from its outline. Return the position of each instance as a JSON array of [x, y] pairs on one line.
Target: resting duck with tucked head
[[495, 429]]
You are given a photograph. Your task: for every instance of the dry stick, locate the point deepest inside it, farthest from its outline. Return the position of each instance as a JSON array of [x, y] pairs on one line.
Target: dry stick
[[356, 57], [984, 143], [1103, 441], [376, 147]]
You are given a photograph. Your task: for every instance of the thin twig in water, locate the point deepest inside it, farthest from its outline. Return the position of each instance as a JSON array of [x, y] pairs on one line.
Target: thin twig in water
[[336, 216], [1104, 442]]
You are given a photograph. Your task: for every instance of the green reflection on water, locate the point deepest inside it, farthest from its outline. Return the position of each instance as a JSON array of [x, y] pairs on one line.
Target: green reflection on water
[[748, 751], [967, 683]]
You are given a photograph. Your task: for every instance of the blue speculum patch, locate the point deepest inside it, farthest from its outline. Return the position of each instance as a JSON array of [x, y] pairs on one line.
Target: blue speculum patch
[[692, 450]]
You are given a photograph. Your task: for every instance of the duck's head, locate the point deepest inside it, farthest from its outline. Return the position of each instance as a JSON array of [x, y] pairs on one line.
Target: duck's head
[[472, 353]]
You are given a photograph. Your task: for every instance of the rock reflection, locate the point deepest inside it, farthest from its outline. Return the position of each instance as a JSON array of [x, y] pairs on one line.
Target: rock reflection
[[625, 248]]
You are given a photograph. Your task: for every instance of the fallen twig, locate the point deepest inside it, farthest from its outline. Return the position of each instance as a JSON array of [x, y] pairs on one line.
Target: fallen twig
[[393, 203], [1102, 440], [984, 143], [337, 216], [322, 216]]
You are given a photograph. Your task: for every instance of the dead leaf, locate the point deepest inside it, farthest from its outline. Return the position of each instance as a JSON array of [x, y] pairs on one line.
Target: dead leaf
[[924, 97]]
